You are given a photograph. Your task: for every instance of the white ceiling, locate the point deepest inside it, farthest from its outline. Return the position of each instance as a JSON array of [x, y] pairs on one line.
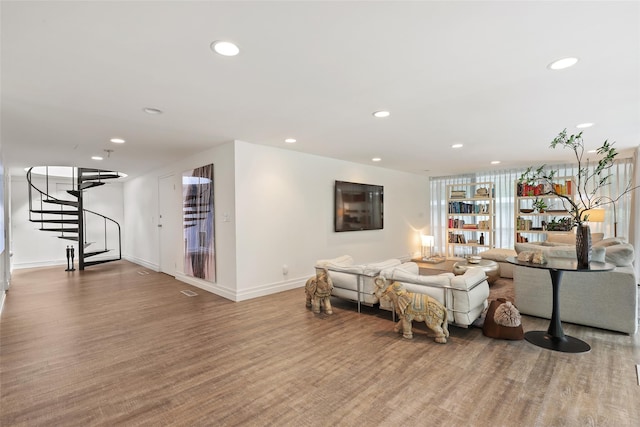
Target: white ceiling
[[75, 74]]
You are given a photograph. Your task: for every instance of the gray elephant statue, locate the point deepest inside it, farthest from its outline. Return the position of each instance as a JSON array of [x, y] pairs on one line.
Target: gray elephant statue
[[318, 290], [413, 306]]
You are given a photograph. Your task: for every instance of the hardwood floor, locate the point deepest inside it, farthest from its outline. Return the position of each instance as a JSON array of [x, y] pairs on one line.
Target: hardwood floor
[[110, 346]]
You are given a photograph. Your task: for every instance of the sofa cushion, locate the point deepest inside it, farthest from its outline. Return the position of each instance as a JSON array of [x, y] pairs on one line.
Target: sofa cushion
[[620, 255], [355, 269], [471, 277], [443, 279], [569, 238], [609, 241], [497, 254], [374, 268], [409, 267], [565, 238], [341, 260]]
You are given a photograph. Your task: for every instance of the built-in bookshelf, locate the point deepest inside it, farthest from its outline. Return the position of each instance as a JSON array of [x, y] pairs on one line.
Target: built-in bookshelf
[[470, 218], [537, 213]]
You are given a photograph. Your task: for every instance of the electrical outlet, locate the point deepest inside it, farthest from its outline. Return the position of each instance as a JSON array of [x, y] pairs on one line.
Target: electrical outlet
[[285, 269]]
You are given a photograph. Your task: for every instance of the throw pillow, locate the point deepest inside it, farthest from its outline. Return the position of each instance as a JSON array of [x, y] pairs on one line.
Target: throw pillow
[[620, 255], [610, 241]]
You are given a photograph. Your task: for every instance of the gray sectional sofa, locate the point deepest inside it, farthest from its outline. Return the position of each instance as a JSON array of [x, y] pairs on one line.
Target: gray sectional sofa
[[607, 300]]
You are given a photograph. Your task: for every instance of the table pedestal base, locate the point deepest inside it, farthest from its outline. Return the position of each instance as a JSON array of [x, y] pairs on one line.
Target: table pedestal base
[[565, 344]]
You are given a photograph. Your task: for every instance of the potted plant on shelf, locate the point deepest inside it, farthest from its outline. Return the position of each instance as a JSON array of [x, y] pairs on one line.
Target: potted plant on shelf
[[588, 183], [539, 205]]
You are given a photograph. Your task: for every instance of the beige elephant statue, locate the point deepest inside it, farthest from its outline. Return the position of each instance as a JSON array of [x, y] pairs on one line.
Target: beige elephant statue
[[413, 306], [318, 290]]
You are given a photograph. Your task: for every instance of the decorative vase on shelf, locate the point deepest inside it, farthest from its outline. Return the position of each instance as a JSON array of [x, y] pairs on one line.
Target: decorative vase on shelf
[[583, 245]]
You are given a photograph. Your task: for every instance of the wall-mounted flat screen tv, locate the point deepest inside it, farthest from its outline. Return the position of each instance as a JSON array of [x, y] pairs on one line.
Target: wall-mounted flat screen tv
[[358, 206]]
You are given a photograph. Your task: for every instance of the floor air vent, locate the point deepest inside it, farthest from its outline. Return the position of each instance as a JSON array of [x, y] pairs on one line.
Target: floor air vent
[[189, 293]]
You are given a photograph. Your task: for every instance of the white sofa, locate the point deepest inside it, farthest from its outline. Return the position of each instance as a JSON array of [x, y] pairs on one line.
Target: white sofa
[[607, 300], [464, 296], [349, 278]]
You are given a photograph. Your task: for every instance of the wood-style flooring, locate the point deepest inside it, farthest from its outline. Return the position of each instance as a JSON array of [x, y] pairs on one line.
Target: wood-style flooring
[[112, 347]]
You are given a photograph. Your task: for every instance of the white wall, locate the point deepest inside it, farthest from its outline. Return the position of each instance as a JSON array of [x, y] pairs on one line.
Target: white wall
[[5, 214], [279, 205], [285, 215], [273, 207], [34, 248]]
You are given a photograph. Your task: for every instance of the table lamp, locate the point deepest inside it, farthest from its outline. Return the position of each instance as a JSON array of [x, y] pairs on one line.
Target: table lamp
[[427, 242], [595, 215]]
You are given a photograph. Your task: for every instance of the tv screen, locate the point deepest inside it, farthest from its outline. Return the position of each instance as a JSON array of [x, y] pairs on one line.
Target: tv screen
[[358, 206]]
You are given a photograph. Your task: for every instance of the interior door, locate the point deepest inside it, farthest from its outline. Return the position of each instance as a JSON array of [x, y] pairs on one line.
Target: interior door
[[168, 224]]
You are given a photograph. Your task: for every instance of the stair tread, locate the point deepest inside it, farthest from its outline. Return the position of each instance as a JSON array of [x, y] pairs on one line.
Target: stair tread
[[55, 221], [94, 253], [62, 202], [90, 184], [96, 177], [60, 230], [54, 212], [100, 261]]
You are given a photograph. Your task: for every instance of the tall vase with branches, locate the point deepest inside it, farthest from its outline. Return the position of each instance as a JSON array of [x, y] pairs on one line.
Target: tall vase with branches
[[589, 181]]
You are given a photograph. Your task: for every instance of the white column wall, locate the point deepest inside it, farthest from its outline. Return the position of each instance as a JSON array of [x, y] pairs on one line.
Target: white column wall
[[141, 204]]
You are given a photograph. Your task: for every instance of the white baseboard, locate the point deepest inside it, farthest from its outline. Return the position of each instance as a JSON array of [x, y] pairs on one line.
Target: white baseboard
[[3, 296], [214, 288], [270, 288], [18, 266], [142, 262], [233, 295]]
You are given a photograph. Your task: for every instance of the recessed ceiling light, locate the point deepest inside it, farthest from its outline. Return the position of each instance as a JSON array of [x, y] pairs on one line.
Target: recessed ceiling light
[[563, 63], [495, 162], [96, 158], [592, 151], [149, 110], [225, 48], [381, 114], [290, 140], [584, 125], [117, 140], [457, 146], [376, 159]]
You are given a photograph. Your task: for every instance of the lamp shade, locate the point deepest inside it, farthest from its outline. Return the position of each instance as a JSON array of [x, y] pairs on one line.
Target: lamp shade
[[593, 215]]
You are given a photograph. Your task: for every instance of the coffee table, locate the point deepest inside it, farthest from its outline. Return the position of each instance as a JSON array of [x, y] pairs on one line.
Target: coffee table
[[554, 338], [491, 268]]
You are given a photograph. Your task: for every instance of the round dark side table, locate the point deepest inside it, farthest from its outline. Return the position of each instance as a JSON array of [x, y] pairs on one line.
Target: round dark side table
[[554, 338]]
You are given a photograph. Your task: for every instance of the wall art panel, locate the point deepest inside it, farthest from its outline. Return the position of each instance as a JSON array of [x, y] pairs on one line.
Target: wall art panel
[[198, 222]]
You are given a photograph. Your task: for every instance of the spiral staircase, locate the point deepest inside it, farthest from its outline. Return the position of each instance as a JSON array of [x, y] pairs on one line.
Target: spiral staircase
[[68, 218]]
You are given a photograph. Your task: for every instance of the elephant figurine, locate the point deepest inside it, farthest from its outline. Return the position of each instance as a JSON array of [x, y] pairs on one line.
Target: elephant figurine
[[413, 306], [318, 290]]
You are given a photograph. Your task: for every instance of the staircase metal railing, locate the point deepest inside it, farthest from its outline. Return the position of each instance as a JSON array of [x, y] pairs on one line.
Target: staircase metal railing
[[105, 219], [43, 214]]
